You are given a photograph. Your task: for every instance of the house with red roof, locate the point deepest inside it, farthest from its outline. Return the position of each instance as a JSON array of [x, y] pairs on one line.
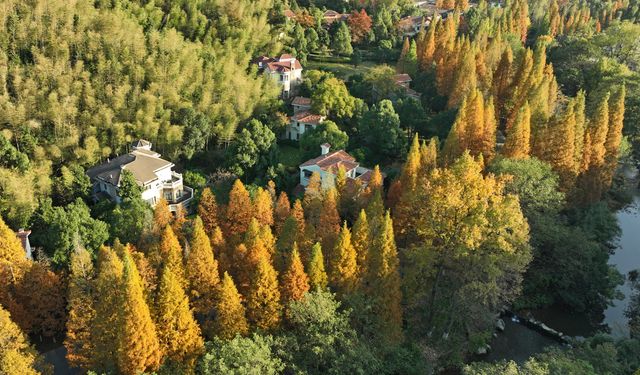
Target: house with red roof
[[303, 119], [286, 70], [328, 164]]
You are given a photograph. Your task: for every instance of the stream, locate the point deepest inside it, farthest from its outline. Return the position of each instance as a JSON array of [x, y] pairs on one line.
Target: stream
[[518, 342]]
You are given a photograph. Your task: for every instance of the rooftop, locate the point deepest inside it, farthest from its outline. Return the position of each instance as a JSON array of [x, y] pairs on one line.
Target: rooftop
[[308, 118], [142, 163], [402, 78], [333, 161], [301, 101]]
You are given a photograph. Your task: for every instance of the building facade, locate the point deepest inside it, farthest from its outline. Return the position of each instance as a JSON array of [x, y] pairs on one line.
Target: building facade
[[154, 175], [286, 70], [328, 164]]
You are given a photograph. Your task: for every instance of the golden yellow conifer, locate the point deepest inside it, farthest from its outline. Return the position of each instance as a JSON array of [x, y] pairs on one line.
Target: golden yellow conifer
[[171, 254], [343, 270], [295, 282], [239, 211], [178, 333], [281, 212], [202, 271], [138, 346], [518, 142], [230, 314], [208, 211], [263, 299], [263, 207], [17, 357], [318, 278], [329, 224]]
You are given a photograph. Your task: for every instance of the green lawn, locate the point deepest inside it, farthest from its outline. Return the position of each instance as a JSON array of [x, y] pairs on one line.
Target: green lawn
[[290, 156], [340, 69]]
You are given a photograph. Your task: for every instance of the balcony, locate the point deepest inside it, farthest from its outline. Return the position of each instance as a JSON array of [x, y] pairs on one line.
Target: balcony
[[174, 183], [184, 198]]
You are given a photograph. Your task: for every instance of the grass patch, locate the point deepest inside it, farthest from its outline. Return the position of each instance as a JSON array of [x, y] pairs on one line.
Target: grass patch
[[290, 156], [341, 70]]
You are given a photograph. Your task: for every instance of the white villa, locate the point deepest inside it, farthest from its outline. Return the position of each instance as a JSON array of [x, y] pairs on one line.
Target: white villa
[[302, 120], [328, 163], [153, 174], [286, 70]]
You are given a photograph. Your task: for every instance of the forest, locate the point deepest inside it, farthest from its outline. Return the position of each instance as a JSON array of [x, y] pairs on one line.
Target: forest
[[495, 177]]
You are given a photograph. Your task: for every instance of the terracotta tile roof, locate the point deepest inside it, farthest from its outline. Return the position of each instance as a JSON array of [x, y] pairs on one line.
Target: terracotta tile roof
[[402, 78], [333, 160], [307, 117], [366, 176], [301, 101]]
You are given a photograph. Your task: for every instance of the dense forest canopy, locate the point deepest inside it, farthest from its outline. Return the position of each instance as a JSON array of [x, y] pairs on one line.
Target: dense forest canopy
[[497, 136]]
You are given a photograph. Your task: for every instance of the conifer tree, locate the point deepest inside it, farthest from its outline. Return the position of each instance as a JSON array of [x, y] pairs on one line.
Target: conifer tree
[[178, 224], [517, 144], [598, 129], [579, 111], [80, 305], [401, 66], [161, 216], [343, 270], [614, 134], [263, 299], [138, 346], [281, 212], [295, 282], [285, 242], [202, 271], [361, 242], [426, 53], [502, 81], [318, 278], [171, 254], [263, 207], [384, 282], [230, 314], [465, 77], [455, 142], [178, 333], [11, 250], [488, 145], [428, 155], [329, 224], [238, 213], [409, 175], [108, 318], [312, 202], [208, 211], [17, 357]]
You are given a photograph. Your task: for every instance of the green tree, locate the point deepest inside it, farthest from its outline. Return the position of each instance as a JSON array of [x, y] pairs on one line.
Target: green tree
[[250, 147], [341, 41], [330, 97], [380, 131], [327, 132], [240, 356]]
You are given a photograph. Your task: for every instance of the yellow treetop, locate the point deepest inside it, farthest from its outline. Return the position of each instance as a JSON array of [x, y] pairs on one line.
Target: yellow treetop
[[138, 346], [17, 357], [329, 224], [161, 216], [343, 270], [10, 248], [281, 212], [318, 278], [208, 211], [295, 282], [178, 333], [518, 142], [239, 211], [230, 314], [263, 207], [263, 300], [80, 304], [361, 242], [171, 254], [202, 271]]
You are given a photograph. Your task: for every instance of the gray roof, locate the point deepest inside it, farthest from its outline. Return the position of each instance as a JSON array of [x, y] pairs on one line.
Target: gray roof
[[141, 143], [139, 163]]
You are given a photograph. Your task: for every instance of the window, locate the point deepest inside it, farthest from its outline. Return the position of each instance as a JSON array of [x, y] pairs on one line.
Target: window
[[307, 173]]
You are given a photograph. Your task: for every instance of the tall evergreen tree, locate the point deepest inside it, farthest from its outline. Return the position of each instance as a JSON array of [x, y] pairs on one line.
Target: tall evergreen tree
[[208, 211], [202, 271], [318, 278], [518, 142], [230, 313], [312, 202], [384, 282], [178, 332], [329, 224], [80, 304], [104, 330], [171, 255], [361, 242], [17, 357], [138, 346], [343, 271], [294, 282], [263, 299], [281, 212], [238, 212], [263, 207], [614, 134]]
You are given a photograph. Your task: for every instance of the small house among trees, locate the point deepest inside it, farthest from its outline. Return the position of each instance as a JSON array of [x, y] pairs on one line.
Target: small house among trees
[[152, 174], [286, 70], [303, 119], [328, 164]]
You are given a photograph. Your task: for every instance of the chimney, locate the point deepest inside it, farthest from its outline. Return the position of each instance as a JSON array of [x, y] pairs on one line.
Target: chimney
[[324, 148]]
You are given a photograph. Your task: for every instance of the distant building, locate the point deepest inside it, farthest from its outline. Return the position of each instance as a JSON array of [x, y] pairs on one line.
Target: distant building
[[331, 16], [286, 70], [404, 81], [302, 120], [327, 165], [23, 236], [153, 174]]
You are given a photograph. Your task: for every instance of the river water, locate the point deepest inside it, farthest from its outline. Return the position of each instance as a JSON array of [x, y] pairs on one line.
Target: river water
[[518, 342]]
